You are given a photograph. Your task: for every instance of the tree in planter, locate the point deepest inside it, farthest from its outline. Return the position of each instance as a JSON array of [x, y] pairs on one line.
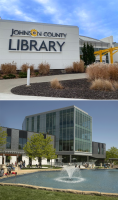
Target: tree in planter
[[3, 137], [38, 147], [88, 54]]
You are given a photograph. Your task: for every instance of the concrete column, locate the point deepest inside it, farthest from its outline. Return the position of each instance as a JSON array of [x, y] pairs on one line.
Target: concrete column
[[87, 158], [70, 158]]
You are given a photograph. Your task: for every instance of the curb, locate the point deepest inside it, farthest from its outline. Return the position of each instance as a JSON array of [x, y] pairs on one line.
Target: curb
[[62, 190]]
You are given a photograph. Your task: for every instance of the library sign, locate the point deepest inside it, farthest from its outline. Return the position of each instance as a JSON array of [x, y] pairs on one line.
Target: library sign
[[27, 46]]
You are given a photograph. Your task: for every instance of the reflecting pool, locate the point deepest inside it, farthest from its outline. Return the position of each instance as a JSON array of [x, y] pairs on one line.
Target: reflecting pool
[[86, 180]]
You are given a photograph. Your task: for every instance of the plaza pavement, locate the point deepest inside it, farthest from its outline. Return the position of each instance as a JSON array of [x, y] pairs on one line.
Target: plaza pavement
[[7, 85]]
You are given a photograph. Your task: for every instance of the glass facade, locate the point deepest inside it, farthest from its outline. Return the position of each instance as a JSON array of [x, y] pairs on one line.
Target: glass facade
[[51, 123], [38, 123], [22, 139], [71, 126], [27, 124], [32, 124], [8, 144], [83, 132], [66, 130]]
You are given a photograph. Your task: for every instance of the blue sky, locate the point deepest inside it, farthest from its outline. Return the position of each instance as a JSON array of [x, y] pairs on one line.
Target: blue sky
[[103, 113], [95, 18]]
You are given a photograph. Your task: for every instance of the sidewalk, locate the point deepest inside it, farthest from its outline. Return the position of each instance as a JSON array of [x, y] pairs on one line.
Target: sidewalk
[[7, 85]]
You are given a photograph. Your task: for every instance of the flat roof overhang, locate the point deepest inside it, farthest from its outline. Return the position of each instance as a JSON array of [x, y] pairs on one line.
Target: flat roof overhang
[[74, 153]]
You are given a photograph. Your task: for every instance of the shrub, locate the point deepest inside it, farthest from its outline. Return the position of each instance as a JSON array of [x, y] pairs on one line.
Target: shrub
[[100, 84], [8, 68], [44, 68], [31, 69], [78, 66], [9, 76], [113, 71], [98, 71], [56, 85], [22, 74], [36, 73], [115, 84], [69, 69], [103, 71], [24, 67]]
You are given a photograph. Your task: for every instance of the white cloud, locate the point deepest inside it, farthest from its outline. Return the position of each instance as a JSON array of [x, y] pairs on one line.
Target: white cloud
[[49, 7], [42, 1], [12, 8]]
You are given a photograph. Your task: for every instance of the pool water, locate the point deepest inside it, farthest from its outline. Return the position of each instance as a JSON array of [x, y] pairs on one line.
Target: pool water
[[85, 180]]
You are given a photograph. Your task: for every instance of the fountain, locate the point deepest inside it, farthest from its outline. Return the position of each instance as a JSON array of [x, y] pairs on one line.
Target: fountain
[[70, 171]]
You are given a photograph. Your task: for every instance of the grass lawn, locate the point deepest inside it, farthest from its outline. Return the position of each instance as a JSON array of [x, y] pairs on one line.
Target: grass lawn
[[18, 193]]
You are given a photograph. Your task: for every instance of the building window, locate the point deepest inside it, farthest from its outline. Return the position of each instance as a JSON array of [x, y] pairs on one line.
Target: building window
[[22, 139], [83, 131], [51, 123], [98, 148], [38, 124], [27, 126], [32, 128], [8, 144], [102, 149], [66, 135]]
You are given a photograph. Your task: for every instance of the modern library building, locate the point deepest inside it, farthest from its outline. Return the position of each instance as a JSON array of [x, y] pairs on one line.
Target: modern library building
[[70, 129]]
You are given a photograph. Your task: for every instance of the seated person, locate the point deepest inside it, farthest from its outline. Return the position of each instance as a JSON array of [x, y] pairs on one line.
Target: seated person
[[1, 172]]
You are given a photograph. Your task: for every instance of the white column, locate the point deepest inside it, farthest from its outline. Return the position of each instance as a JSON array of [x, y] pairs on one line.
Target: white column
[[28, 77]]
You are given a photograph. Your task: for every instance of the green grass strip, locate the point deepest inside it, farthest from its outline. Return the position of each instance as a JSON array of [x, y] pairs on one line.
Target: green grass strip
[[18, 193]]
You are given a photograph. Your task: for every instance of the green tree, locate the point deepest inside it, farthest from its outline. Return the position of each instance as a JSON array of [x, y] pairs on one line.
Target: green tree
[[84, 51], [112, 153], [38, 147], [88, 54], [3, 136]]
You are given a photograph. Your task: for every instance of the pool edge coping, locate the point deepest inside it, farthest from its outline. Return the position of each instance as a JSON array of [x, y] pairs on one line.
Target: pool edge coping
[[61, 190]]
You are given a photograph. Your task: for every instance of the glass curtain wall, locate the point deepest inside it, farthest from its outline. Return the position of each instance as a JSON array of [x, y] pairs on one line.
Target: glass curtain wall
[[83, 132], [66, 133], [51, 123], [8, 144], [27, 124], [22, 139], [38, 123]]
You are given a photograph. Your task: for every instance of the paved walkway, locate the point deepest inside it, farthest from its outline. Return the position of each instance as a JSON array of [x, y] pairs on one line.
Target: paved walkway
[[7, 85]]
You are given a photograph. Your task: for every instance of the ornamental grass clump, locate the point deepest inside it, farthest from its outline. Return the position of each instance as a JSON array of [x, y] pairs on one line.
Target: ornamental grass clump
[[56, 84], [25, 66], [8, 68], [98, 71], [115, 84], [69, 69], [100, 84], [31, 69], [78, 67], [44, 68], [113, 71]]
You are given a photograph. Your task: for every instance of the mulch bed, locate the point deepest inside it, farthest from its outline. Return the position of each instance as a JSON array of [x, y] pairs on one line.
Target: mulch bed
[[79, 89]]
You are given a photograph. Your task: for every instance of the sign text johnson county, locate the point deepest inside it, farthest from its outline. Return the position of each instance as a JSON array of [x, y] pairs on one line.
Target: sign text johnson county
[[36, 46], [35, 33]]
